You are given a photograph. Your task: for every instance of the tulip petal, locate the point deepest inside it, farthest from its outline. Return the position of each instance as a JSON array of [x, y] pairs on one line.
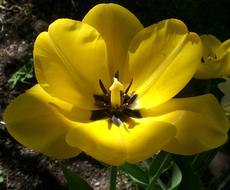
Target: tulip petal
[[200, 122], [210, 44], [223, 48], [131, 142], [216, 58], [117, 26], [33, 121], [163, 58], [216, 68], [69, 61]]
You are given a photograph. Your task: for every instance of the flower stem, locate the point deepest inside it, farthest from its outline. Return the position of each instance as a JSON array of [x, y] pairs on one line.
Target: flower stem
[[113, 177]]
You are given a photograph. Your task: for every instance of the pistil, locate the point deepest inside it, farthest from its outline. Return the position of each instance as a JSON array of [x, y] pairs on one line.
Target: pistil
[[115, 103], [116, 89]]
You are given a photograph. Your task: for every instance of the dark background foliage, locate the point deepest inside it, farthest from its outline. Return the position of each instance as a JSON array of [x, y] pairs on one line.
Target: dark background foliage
[[201, 16]]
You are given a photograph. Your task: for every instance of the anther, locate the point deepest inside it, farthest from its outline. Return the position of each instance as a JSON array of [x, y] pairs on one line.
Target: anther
[[132, 99], [117, 75], [202, 59], [103, 87], [127, 89]]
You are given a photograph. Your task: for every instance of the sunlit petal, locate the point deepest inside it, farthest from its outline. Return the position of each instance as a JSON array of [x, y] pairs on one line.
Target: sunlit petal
[[210, 44], [223, 48], [33, 120], [69, 61], [216, 68], [215, 62], [132, 142], [200, 122], [162, 59], [117, 26]]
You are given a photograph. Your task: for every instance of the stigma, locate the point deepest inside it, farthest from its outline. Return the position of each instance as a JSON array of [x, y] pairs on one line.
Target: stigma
[[116, 88]]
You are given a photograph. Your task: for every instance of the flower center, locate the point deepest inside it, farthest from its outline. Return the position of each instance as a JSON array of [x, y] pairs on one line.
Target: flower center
[[115, 103], [210, 57]]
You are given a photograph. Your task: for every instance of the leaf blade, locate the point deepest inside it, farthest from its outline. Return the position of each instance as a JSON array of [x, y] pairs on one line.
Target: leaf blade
[[74, 181]]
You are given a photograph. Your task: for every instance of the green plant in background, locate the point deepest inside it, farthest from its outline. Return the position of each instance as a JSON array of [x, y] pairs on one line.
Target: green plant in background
[[163, 171], [22, 75], [225, 101], [1, 176]]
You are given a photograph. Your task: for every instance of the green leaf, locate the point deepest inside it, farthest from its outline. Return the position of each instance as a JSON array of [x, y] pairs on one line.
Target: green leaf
[[225, 100], [224, 182], [22, 75], [1, 179], [175, 179], [173, 173], [190, 180], [136, 173], [159, 164], [113, 178], [1, 176], [74, 181]]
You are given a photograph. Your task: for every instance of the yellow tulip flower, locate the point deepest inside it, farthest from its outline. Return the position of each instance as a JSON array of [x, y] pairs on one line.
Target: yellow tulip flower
[[106, 87], [215, 62]]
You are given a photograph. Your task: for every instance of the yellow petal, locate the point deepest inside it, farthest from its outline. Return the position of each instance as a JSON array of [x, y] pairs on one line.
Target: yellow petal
[[216, 58], [132, 142], [210, 44], [33, 121], [117, 26], [200, 122], [223, 48], [215, 68], [69, 61], [162, 59]]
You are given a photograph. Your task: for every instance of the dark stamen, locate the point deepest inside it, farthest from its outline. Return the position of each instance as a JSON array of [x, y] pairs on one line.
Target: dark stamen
[[103, 87], [202, 60], [132, 99], [126, 97], [132, 113], [101, 100], [117, 75], [99, 114], [127, 89]]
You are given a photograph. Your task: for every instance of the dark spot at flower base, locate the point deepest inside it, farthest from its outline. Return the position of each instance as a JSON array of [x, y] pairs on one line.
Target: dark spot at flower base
[[116, 116], [202, 60]]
